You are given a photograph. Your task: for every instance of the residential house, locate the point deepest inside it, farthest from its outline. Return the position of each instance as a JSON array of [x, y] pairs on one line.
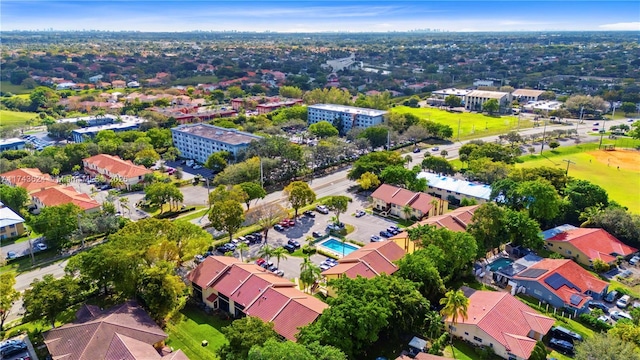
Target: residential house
[[11, 144], [501, 322], [122, 332], [11, 224], [371, 260], [61, 195], [584, 245], [474, 100], [351, 117], [526, 95], [112, 167], [561, 283], [406, 204], [31, 179], [119, 84], [199, 141], [456, 220], [242, 289], [455, 190]]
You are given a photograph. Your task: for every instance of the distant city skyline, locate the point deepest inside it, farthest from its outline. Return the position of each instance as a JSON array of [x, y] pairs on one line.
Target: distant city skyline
[[320, 16]]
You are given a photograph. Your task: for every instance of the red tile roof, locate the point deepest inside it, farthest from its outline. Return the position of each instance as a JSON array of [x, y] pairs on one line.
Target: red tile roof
[[456, 220], [401, 197], [368, 261], [210, 269], [31, 179], [507, 320], [63, 195], [115, 165], [570, 271], [595, 243]]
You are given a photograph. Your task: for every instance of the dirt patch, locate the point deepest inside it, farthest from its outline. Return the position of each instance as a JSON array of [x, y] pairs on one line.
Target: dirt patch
[[625, 159]]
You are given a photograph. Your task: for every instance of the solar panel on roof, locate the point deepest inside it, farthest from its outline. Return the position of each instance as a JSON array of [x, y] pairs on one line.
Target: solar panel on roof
[[532, 273], [575, 300], [556, 281]]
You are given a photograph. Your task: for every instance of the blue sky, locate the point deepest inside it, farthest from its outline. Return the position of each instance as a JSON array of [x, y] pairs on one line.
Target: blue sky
[[303, 16]]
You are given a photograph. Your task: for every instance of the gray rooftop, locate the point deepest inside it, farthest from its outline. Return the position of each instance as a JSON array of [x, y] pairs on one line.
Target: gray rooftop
[[228, 136], [11, 141]]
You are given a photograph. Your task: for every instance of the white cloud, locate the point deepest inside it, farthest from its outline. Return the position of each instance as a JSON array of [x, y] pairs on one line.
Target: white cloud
[[631, 26]]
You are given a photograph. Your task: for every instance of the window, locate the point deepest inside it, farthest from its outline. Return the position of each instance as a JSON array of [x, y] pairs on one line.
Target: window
[[537, 292], [569, 252], [477, 339]]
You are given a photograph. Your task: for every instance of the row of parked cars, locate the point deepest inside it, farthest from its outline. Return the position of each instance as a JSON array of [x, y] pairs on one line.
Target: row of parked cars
[[563, 340], [14, 347], [251, 239], [389, 232], [268, 265]]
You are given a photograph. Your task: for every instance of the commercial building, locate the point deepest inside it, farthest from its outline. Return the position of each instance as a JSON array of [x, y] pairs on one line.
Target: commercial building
[[455, 190], [112, 167], [94, 120], [396, 201], [474, 100], [11, 144], [80, 135], [199, 141], [351, 117], [30, 179], [11, 224], [526, 95]]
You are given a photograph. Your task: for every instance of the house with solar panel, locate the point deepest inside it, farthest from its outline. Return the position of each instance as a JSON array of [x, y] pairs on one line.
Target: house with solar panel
[[562, 284]]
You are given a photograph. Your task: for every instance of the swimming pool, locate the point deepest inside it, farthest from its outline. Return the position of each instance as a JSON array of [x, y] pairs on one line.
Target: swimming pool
[[338, 247], [500, 264]]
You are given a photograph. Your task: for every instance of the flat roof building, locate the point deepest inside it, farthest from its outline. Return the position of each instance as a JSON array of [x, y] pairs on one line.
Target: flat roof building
[[474, 100], [526, 95], [199, 141], [448, 188], [79, 135], [351, 116], [11, 144]]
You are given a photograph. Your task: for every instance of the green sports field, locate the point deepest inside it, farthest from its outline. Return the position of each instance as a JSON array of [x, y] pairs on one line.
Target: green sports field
[[6, 87], [617, 171], [15, 117], [472, 125]]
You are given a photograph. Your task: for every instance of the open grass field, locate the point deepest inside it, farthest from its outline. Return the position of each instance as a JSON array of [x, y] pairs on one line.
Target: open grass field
[[195, 326], [6, 87], [17, 118], [616, 171], [472, 125]]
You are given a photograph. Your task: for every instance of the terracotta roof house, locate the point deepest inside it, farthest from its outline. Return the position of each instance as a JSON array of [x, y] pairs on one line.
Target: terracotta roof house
[[30, 179], [392, 200], [61, 195], [456, 220], [585, 245], [561, 283], [242, 289], [502, 322], [114, 167], [123, 332]]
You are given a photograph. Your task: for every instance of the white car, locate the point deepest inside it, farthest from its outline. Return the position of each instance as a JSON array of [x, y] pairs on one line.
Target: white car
[[41, 246], [634, 260], [617, 315], [623, 302]]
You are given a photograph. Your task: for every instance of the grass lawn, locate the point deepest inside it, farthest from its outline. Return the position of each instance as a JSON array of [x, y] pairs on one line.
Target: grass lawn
[[599, 167], [472, 125], [6, 86], [463, 351], [195, 215], [633, 290], [8, 117], [196, 325]]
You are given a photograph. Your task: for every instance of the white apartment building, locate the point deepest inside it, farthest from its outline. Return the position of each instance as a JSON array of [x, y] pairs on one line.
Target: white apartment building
[[199, 141], [351, 116]]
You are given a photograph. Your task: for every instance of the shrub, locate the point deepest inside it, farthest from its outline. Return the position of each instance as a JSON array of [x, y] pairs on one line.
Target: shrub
[[327, 254], [593, 322]]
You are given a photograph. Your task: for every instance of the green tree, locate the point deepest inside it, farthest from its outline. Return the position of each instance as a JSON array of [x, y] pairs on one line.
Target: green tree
[[57, 223], [8, 295], [487, 171], [253, 190], [160, 193], [146, 157], [539, 352], [377, 135], [452, 101], [235, 92], [266, 216], [540, 199], [635, 130], [49, 297], [323, 129], [438, 165], [338, 204], [368, 181], [242, 335], [242, 247], [455, 306], [605, 347], [619, 223], [628, 108], [600, 266], [419, 268], [491, 106], [554, 144], [299, 194], [374, 163], [290, 92], [13, 197], [581, 195], [227, 215], [280, 350], [309, 273], [160, 289], [279, 253], [217, 161]]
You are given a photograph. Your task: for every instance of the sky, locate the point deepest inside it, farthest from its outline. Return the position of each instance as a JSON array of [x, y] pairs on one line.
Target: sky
[[320, 16]]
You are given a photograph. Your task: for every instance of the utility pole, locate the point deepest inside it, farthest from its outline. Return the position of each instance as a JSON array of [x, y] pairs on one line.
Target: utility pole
[[81, 234], [569, 162], [388, 140], [544, 132], [261, 174], [458, 129]]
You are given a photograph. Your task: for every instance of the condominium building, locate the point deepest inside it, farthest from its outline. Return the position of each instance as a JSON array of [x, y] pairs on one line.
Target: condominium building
[[199, 141], [352, 117]]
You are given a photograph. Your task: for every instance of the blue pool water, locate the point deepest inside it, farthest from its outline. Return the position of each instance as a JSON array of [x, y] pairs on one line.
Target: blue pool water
[[499, 264], [336, 246]]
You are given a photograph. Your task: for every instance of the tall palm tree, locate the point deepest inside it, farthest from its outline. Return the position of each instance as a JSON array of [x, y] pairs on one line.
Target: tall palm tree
[[306, 262], [124, 203], [309, 275], [241, 248], [455, 304], [266, 252], [407, 210], [279, 253], [117, 182]]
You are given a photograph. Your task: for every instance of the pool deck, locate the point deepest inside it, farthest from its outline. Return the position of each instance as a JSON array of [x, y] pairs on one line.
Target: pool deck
[[332, 251]]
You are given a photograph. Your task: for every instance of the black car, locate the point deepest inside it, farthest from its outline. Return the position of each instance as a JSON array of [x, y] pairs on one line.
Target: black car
[[278, 227], [599, 305], [316, 234], [290, 248], [309, 214], [612, 296], [565, 334], [12, 348], [562, 346], [294, 243]]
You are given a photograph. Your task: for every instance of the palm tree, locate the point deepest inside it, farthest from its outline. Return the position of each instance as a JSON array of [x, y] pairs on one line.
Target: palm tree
[[279, 253], [117, 182], [124, 203], [306, 262], [266, 252], [241, 248], [455, 304], [309, 275], [407, 210]]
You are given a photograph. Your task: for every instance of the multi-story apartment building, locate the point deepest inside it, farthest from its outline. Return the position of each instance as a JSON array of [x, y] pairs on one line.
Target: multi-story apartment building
[[199, 141], [474, 100], [352, 117]]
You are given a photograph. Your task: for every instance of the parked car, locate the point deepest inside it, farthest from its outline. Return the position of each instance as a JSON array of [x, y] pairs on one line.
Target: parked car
[[279, 272], [278, 227], [562, 346], [290, 248], [625, 274], [199, 258], [416, 150], [324, 267], [322, 209], [618, 315], [309, 214], [394, 227], [260, 261], [316, 234], [375, 238], [559, 332], [294, 243], [623, 302], [12, 347], [385, 234], [634, 260], [360, 213], [435, 148], [612, 296], [393, 230], [599, 305], [11, 255]]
